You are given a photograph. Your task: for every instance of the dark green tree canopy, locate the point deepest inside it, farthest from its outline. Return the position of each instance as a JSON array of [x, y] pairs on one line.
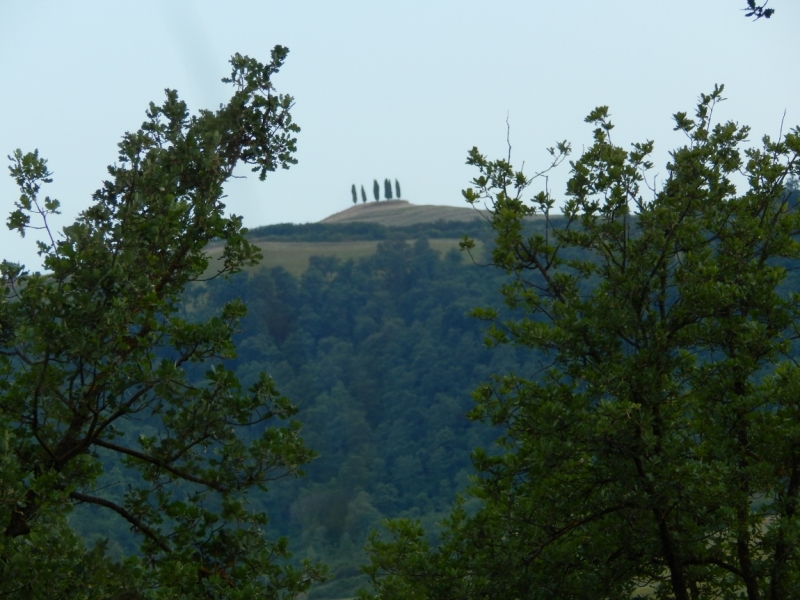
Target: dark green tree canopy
[[363, 195], [397, 189], [353, 192], [657, 452], [98, 367], [376, 190], [387, 189]]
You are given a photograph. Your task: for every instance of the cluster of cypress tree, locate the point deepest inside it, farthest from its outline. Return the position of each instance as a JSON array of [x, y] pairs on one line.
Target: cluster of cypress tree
[[376, 191]]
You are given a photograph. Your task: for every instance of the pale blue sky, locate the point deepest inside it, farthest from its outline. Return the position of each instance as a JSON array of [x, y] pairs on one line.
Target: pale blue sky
[[383, 89]]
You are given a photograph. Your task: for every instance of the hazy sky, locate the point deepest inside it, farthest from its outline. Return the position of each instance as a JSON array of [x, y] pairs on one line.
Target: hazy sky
[[382, 89]]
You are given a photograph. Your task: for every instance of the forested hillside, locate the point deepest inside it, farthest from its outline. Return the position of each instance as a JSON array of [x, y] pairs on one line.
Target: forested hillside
[[381, 357]]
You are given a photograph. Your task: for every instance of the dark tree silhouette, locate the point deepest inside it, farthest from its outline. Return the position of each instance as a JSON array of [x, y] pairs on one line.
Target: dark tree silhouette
[[387, 189], [363, 195], [758, 12], [397, 189], [376, 190], [355, 196]]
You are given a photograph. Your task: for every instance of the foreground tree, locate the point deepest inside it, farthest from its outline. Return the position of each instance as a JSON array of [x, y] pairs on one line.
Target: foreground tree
[[98, 367], [657, 451]]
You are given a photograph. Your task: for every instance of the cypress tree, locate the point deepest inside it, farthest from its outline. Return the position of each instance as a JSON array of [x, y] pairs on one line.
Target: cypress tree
[[376, 190], [363, 195], [355, 197], [397, 189], [387, 189]]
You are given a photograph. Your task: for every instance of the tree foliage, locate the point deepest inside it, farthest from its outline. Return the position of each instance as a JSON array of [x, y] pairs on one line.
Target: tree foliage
[[353, 191], [758, 10], [382, 355], [387, 189], [397, 189], [98, 366], [657, 452], [363, 195], [376, 190]]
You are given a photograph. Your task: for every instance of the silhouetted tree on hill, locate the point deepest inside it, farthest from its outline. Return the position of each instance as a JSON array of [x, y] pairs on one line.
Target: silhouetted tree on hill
[[397, 189], [387, 189], [376, 190]]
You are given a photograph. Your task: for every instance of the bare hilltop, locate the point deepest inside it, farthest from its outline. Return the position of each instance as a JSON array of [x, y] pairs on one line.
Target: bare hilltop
[[400, 213]]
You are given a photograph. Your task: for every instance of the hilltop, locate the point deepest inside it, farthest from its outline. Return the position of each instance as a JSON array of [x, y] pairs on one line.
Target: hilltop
[[401, 213]]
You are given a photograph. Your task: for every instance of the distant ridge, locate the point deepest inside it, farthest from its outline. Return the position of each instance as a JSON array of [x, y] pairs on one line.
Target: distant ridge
[[401, 213], [357, 232]]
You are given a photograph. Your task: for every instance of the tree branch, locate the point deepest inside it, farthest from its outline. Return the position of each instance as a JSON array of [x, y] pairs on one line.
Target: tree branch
[[129, 517], [159, 463], [714, 561]]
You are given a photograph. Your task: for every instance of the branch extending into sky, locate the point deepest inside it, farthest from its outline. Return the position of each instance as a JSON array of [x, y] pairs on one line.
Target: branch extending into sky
[[758, 11]]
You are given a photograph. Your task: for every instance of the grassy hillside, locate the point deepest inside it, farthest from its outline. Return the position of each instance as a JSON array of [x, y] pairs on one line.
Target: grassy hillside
[[356, 232], [400, 213], [294, 256]]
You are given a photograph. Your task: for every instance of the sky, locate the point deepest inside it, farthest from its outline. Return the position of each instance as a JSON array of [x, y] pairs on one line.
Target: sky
[[398, 90]]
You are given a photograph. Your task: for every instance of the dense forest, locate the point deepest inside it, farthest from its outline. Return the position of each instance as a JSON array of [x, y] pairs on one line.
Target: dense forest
[[381, 356]]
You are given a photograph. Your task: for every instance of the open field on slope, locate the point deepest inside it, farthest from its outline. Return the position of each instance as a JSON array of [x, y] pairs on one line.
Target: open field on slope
[[294, 256]]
